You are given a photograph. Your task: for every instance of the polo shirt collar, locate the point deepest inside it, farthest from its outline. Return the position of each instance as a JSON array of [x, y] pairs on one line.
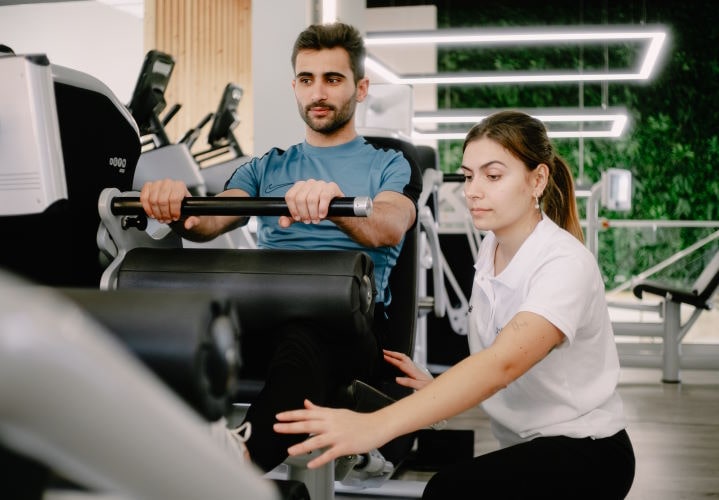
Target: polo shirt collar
[[531, 250]]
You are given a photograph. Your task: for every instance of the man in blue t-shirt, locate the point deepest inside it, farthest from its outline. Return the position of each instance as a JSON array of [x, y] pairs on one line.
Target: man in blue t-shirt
[[303, 361]]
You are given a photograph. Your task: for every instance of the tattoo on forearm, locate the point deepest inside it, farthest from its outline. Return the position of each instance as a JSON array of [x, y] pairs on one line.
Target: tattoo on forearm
[[517, 325]]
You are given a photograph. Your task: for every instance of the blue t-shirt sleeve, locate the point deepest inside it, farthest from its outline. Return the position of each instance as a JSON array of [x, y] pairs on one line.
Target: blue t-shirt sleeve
[[245, 178], [396, 176]]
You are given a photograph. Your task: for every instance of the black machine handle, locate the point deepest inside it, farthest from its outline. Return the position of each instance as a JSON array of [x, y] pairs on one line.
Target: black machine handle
[[360, 206], [170, 114], [191, 135]]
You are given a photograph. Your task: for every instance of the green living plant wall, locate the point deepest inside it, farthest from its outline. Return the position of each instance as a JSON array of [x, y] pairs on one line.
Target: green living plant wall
[[672, 144]]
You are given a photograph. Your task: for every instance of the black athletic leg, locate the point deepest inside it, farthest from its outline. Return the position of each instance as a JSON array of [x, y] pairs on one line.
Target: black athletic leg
[[548, 467]]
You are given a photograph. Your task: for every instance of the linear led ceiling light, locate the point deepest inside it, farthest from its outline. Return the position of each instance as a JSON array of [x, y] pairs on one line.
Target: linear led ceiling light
[[561, 123], [652, 37]]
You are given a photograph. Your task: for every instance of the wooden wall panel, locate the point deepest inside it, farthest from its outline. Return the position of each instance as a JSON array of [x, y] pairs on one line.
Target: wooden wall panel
[[211, 42]]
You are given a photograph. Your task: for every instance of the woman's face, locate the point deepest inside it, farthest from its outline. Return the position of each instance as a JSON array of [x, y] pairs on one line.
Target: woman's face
[[498, 187]]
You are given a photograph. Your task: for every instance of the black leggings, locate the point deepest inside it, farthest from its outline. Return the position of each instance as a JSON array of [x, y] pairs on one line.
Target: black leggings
[[546, 467], [298, 361]]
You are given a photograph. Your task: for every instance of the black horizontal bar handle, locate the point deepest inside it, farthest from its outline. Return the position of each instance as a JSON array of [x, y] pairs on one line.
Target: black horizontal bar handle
[[359, 206]]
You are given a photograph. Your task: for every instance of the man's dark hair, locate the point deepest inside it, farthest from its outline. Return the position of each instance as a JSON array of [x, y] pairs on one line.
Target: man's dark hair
[[329, 36]]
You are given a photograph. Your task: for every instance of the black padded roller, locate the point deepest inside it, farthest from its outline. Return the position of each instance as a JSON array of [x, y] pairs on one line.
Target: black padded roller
[[268, 286], [188, 338]]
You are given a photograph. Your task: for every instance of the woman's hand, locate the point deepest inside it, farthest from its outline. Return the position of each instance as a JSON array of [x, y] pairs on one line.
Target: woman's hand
[[339, 432], [416, 378]]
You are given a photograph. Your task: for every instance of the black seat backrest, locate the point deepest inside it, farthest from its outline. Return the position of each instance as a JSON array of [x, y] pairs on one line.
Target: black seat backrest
[[698, 295], [708, 281], [428, 157], [403, 309]]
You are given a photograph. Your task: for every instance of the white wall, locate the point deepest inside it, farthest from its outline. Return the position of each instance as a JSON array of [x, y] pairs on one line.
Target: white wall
[[275, 25], [102, 41]]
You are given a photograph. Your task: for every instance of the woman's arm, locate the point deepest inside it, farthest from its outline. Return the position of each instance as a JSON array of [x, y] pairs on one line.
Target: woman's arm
[[523, 342]]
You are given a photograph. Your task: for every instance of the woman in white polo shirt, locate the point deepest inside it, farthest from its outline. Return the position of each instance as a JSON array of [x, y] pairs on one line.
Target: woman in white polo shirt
[[543, 361]]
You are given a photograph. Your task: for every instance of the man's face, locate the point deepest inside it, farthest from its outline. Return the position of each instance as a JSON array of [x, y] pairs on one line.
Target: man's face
[[325, 89]]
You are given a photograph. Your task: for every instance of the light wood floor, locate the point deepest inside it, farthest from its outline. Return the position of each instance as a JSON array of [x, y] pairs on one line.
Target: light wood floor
[[674, 429]]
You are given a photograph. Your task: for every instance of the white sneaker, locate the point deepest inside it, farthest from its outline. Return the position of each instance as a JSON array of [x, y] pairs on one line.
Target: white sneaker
[[233, 440]]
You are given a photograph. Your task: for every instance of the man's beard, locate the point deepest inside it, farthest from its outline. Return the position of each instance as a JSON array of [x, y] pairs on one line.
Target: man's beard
[[341, 116]]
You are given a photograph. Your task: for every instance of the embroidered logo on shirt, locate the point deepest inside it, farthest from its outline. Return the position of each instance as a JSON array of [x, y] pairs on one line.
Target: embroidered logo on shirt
[[275, 187]]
